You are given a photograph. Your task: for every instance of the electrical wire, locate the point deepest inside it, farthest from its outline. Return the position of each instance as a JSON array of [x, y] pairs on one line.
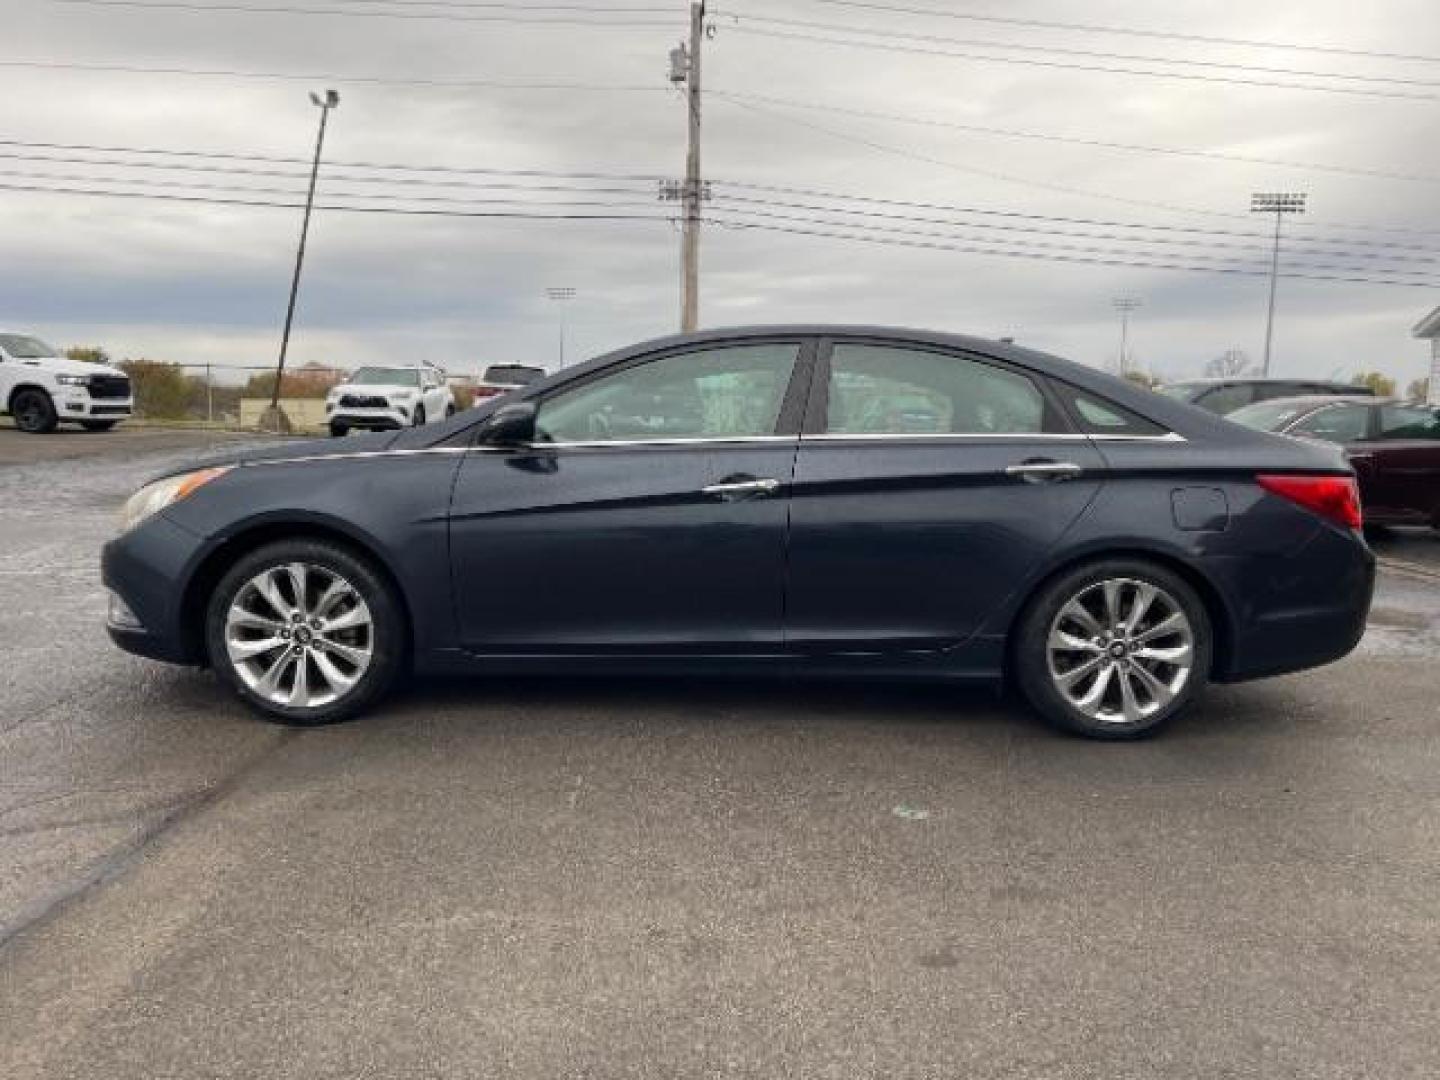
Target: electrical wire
[[1126, 31], [285, 9]]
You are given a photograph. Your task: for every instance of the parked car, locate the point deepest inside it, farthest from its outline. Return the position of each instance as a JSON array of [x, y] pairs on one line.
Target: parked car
[[384, 398], [1105, 549], [502, 378], [43, 389], [1224, 396], [1394, 447]]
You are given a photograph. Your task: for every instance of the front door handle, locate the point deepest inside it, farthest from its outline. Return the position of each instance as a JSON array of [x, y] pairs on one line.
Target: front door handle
[[1041, 472], [730, 490]]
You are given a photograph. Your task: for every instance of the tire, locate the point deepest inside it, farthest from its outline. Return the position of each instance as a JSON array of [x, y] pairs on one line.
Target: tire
[[346, 670], [98, 425], [449, 410], [419, 419], [339, 431], [34, 412], [1049, 672]]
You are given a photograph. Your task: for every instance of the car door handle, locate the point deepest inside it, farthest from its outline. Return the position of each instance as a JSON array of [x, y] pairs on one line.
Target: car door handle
[[1039, 472], [739, 489]]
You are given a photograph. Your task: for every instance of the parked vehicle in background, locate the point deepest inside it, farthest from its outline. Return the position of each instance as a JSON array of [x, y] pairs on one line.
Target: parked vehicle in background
[[385, 398], [1394, 447], [42, 389], [809, 500], [1224, 396], [503, 378]]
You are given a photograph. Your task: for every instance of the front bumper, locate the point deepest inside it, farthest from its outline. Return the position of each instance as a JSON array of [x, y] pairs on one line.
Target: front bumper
[[144, 570], [75, 403], [370, 419]]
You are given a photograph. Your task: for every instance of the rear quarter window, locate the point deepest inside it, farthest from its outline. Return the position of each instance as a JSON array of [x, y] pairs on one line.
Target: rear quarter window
[[1095, 415]]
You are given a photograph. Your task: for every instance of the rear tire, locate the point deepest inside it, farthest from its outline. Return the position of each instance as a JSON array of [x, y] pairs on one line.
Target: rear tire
[[419, 420], [98, 425], [339, 431], [305, 632], [34, 412], [1113, 649]]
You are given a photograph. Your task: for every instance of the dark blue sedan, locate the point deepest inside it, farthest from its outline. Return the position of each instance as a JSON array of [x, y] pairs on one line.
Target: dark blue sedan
[[807, 500]]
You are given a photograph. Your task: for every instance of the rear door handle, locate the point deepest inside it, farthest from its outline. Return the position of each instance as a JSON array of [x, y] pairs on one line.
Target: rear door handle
[[1039, 472], [740, 489]]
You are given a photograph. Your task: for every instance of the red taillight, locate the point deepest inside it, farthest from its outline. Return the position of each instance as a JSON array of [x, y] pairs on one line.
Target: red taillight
[[1335, 498], [487, 392]]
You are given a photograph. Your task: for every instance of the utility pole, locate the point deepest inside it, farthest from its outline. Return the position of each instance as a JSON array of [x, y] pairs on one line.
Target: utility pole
[[274, 417], [1125, 305], [560, 294], [1278, 203], [685, 68]]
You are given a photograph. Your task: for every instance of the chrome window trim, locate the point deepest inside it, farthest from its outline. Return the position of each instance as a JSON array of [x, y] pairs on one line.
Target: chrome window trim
[[960, 436], [713, 440]]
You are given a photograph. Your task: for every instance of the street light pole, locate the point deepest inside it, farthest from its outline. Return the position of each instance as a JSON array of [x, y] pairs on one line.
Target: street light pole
[[560, 294], [274, 415], [1278, 203]]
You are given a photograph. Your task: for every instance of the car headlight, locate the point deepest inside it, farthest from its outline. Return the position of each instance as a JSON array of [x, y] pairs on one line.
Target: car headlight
[[152, 498], [73, 380]]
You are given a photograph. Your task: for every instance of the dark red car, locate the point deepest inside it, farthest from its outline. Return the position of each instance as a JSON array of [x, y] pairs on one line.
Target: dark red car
[[1394, 447]]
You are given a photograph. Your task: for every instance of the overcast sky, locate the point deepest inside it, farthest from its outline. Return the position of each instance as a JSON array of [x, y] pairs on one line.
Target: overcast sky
[[197, 283]]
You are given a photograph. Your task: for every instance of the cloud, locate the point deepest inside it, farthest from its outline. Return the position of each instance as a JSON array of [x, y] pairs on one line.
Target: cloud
[[201, 283]]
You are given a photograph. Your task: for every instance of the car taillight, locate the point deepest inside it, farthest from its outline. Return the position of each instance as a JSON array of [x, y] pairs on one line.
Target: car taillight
[[487, 391], [1335, 498]]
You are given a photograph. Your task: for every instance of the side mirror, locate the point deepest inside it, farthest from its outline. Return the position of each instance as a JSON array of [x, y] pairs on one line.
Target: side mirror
[[510, 425]]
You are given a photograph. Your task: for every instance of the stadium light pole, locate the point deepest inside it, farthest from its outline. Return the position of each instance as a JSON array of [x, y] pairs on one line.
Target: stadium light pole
[[560, 294], [274, 417], [1278, 203], [1125, 305]]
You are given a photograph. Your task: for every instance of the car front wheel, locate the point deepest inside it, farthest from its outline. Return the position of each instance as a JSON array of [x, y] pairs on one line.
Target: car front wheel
[[1114, 649], [306, 632], [34, 412]]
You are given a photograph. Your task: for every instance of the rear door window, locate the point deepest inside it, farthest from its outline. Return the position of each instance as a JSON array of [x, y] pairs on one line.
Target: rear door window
[[1408, 422], [889, 390]]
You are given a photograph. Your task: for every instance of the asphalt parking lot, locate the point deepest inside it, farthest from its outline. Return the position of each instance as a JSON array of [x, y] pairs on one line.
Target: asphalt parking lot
[[550, 879]]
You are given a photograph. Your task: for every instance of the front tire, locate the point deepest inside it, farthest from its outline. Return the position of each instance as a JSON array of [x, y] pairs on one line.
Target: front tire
[[419, 420], [34, 412], [305, 632], [339, 431], [1113, 649]]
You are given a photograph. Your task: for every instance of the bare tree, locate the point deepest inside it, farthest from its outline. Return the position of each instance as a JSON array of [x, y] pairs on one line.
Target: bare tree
[[1228, 364]]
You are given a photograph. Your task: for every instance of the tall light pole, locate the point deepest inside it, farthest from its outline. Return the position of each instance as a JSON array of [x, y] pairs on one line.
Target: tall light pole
[[1278, 203], [560, 294], [1125, 305], [685, 69], [274, 417]]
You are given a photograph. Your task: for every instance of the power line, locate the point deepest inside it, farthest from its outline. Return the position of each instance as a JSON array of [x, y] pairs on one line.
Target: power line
[[1128, 263], [936, 39], [280, 9], [409, 170], [916, 50], [1016, 133], [1127, 31], [732, 222]]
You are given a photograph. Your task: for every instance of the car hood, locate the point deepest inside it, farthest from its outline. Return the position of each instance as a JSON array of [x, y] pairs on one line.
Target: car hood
[[284, 450], [63, 365], [385, 389]]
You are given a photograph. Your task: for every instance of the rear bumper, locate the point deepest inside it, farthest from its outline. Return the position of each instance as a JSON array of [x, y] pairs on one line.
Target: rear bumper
[[1302, 611]]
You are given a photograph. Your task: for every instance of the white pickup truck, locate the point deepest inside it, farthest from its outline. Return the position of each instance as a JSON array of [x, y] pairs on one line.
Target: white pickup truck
[[42, 389]]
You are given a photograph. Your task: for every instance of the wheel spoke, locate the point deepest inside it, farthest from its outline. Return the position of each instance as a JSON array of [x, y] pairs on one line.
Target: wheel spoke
[[1111, 591], [346, 620], [268, 586], [1179, 654], [1159, 691], [244, 619], [300, 689], [1067, 680], [1078, 612], [1129, 704], [1145, 594], [332, 595], [299, 575], [336, 679], [248, 650], [1065, 642], [270, 681], [358, 657], [1090, 701], [1172, 623]]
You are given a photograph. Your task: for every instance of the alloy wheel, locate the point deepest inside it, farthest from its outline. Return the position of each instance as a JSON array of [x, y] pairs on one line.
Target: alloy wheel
[[299, 635], [1120, 650]]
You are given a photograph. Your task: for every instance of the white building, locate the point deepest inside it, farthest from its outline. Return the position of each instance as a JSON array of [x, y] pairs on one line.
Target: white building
[[1429, 328]]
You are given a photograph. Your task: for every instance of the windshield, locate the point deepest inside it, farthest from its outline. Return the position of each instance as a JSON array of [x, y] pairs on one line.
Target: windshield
[[1182, 390], [22, 347], [512, 373], [1268, 415], [385, 376]]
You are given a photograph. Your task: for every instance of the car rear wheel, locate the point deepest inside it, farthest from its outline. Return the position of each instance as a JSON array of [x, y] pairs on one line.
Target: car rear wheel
[[34, 412], [305, 631], [1114, 649], [339, 430]]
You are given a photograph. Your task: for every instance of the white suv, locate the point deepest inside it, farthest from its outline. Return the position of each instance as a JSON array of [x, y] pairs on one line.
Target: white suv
[[42, 389], [381, 398]]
